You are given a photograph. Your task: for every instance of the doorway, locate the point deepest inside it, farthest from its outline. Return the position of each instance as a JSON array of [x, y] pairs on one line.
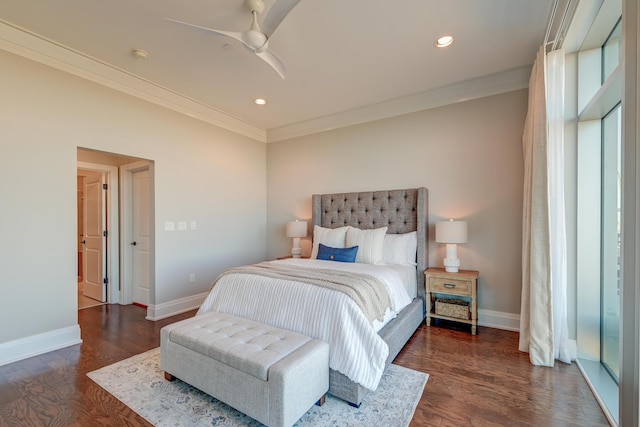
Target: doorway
[[98, 242], [115, 172], [138, 237], [92, 250]]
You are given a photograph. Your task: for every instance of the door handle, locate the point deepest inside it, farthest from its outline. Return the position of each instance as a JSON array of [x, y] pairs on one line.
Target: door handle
[[84, 242], [133, 243]]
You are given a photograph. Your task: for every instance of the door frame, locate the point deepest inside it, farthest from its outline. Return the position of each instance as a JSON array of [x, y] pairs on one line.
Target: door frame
[[126, 212], [113, 237]]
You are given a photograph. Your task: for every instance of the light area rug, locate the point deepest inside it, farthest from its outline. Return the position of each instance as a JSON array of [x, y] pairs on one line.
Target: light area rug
[[139, 383]]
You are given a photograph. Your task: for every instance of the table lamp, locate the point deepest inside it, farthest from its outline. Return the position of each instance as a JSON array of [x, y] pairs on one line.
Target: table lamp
[[451, 232], [296, 229]]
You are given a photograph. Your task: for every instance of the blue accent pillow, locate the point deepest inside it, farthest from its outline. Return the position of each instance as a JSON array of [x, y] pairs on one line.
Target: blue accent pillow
[[337, 254]]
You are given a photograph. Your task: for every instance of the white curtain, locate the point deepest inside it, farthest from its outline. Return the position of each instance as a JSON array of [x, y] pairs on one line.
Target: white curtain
[[543, 313], [557, 226]]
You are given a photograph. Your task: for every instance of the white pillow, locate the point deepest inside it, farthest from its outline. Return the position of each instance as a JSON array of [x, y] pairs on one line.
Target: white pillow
[[400, 248], [369, 243], [333, 237]]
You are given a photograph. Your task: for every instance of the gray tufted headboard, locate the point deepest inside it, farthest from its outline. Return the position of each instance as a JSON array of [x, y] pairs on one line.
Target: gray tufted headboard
[[402, 211]]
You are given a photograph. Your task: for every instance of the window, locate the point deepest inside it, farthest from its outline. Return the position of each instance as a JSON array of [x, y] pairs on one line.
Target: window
[[599, 201], [611, 52], [610, 245]]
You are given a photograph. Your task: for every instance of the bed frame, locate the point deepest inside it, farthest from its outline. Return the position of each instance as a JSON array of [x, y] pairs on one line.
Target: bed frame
[[402, 211]]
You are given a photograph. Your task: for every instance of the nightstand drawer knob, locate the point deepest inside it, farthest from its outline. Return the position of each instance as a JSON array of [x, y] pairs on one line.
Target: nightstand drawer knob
[[449, 285]]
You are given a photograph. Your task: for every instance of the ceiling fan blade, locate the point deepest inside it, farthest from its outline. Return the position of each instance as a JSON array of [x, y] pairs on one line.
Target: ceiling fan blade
[[233, 34], [276, 14], [272, 59]]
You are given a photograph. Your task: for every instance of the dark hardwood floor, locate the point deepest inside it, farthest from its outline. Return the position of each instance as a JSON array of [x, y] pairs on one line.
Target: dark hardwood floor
[[484, 380], [474, 380]]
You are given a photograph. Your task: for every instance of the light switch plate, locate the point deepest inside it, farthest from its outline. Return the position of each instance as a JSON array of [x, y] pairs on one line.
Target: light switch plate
[[169, 226], [193, 225], [182, 225]]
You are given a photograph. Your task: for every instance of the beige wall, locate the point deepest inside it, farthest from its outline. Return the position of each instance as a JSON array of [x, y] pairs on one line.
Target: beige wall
[[469, 156], [202, 173], [240, 192]]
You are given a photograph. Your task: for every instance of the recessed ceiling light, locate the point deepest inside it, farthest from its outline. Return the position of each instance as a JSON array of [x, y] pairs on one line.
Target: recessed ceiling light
[[444, 41], [260, 101]]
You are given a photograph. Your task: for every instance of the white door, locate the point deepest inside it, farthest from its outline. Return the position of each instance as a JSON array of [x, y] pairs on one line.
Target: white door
[[141, 233], [94, 240]]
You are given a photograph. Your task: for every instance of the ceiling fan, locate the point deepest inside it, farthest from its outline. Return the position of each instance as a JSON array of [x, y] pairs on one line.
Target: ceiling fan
[[257, 39]]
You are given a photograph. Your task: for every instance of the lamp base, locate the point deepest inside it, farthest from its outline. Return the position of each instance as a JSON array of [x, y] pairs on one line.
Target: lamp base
[[451, 262], [451, 269], [296, 250]]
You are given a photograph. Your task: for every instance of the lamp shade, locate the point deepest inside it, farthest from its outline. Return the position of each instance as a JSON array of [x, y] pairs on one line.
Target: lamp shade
[[451, 231], [297, 229]]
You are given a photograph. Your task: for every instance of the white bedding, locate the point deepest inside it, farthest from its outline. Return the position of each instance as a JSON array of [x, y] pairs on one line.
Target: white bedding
[[356, 350]]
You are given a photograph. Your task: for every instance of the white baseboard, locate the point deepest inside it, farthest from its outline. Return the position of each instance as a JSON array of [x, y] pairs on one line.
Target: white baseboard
[[177, 306], [34, 345], [499, 320]]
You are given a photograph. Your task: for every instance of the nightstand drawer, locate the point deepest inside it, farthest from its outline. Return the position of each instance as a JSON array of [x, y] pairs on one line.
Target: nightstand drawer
[[450, 286]]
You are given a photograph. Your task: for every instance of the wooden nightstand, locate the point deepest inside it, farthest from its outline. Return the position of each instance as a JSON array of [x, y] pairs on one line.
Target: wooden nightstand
[[462, 284]]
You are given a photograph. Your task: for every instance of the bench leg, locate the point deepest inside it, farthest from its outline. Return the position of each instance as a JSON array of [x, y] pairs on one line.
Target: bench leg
[[168, 376], [322, 400]]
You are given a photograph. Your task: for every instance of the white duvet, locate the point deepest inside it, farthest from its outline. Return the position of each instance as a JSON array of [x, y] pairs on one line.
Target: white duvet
[[356, 350]]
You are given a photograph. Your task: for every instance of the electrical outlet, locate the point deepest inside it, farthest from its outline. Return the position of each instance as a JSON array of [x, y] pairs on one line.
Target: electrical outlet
[[193, 225], [192, 278]]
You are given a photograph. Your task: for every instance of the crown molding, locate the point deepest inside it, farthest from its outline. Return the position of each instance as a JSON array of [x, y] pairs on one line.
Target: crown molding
[[480, 87], [23, 43]]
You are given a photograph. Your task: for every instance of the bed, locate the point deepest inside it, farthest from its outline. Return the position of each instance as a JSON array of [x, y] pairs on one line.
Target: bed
[[401, 212]]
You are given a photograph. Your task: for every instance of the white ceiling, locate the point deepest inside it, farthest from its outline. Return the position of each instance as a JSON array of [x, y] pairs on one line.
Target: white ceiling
[[341, 55]]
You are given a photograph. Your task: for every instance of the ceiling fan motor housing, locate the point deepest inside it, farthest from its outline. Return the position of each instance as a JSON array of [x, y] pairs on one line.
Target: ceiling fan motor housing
[[256, 40]]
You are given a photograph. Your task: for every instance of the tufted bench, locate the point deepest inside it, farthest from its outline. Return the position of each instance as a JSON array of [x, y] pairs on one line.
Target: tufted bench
[[270, 374]]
